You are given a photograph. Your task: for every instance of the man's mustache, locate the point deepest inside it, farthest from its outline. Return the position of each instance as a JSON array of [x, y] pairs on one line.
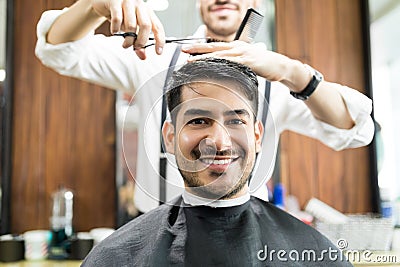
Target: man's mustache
[[221, 3], [211, 152]]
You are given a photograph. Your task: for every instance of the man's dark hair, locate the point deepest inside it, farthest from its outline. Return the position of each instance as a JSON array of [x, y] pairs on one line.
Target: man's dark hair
[[212, 70]]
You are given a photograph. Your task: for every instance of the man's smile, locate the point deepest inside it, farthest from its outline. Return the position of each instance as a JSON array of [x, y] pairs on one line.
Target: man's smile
[[223, 10], [218, 164]]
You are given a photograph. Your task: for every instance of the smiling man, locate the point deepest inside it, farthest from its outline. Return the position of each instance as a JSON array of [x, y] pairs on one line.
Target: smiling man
[[214, 133], [215, 137]]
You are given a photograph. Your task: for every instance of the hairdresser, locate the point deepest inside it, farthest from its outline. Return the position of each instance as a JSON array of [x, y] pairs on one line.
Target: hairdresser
[[299, 98]]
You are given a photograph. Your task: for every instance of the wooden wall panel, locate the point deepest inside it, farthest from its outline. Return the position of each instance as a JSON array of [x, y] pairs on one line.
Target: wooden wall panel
[[327, 35], [63, 135]]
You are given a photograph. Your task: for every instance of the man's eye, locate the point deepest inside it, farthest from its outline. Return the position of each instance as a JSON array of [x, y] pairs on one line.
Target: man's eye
[[197, 121], [236, 121]]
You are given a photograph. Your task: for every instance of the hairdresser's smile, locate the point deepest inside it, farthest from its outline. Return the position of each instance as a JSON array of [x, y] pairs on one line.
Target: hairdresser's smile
[[223, 10]]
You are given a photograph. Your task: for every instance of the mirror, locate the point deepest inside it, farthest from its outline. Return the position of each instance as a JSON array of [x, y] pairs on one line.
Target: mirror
[[385, 65], [186, 25]]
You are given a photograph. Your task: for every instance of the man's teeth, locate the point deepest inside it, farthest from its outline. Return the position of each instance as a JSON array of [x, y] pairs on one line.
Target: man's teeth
[[216, 162]]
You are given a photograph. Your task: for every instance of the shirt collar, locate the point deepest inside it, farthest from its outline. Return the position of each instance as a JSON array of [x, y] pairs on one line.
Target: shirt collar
[[194, 200]]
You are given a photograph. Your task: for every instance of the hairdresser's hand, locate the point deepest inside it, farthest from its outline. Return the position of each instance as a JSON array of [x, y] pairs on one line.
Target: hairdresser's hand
[[326, 103], [265, 63], [132, 16]]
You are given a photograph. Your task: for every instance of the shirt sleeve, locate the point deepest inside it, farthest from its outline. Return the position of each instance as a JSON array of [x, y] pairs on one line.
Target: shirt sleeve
[[295, 116], [360, 108], [96, 58]]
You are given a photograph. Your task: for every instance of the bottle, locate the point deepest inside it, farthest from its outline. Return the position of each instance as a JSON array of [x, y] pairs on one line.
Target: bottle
[[325, 213], [386, 202], [279, 196], [61, 223]]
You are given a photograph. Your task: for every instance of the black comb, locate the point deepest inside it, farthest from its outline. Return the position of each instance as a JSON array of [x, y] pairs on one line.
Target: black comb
[[247, 30], [249, 26]]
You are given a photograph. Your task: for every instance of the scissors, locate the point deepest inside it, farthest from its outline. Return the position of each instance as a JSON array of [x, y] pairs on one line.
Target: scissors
[[168, 40]]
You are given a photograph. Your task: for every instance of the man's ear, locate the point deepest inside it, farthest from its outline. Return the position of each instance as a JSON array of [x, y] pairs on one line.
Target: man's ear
[[258, 134], [168, 133]]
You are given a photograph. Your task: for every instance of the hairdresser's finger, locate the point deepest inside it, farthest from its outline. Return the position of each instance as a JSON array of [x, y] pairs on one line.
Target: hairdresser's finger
[[201, 48], [129, 22], [158, 31], [144, 25], [116, 16], [225, 54]]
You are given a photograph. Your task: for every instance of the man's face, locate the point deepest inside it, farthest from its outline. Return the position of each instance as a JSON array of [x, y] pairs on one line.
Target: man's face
[[223, 17], [215, 140]]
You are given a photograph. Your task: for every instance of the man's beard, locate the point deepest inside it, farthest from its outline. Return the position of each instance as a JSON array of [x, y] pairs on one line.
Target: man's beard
[[220, 31], [197, 187], [201, 190]]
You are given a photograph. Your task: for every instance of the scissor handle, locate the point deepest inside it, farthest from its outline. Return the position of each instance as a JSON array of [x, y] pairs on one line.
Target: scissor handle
[[126, 34]]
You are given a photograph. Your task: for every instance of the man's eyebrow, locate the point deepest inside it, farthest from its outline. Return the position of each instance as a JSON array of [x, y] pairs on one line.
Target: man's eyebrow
[[203, 112], [197, 112], [237, 112]]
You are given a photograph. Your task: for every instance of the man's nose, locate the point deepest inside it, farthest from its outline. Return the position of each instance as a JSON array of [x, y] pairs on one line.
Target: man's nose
[[219, 136]]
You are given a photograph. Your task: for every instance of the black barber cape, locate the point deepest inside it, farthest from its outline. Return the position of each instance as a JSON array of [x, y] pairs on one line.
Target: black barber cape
[[253, 234]]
